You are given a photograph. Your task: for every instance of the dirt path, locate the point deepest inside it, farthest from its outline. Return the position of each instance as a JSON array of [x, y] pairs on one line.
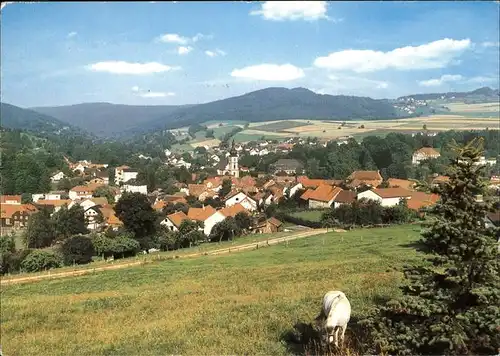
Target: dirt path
[[237, 248]]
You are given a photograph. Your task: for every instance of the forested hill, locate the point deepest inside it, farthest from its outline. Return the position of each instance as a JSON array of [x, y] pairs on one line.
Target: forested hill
[[14, 117], [485, 94], [106, 119]]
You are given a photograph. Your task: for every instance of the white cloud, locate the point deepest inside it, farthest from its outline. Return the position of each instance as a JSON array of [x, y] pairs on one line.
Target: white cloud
[[440, 81], [173, 38], [215, 53], [437, 54], [490, 44], [153, 94], [121, 67], [135, 88], [201, 36], [481, 79], [184, 50], [270, 72], [71, 34], [292, 10]]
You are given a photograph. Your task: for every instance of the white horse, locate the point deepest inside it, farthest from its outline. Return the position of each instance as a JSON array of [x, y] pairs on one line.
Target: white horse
[[337, 312]]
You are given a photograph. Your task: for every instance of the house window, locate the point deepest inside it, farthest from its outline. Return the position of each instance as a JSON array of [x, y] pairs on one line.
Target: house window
[[7, 221]]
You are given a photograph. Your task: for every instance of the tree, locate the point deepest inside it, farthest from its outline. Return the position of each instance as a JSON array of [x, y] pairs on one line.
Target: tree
[[189, 233], [424, 127], [40, 230], [137, 215], [225, 230], [77, 249], [243, 221], [39, 260], [106, 192], [226, 187], [450, 303], [26, 198], [68, 222]]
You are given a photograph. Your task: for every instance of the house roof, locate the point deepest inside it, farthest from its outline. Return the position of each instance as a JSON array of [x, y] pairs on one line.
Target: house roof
[[85, 188], [232, 210], [177, 218], [196, 190], [122, 167], [159, 205], [403, 183], [110, 216], [274, 221], [201, 214], [306, 194], [58, 202], [365, 176], [216, 181], [440, 179], [427, 151], [4, 198], [421, 200], [100, 200], [392, 192], [325, 193], [345, 196], [7, 210], [314, 183]]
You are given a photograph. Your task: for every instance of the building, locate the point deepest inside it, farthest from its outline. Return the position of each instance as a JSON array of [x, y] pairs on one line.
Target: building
[[57, 177], [423, 154], [344, 197], [173, 221], [229, 165], [81, 192], [323, 196], [269, 226], [401, 183], [386, 196], [369, 178], [16, 215], [143, 189], [123, 174], [241, 198], [10, 199], [289, 166], [203, 214], [53, 205]]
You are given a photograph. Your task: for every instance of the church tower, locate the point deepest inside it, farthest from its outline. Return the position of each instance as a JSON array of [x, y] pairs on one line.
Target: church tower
[[234, 169]]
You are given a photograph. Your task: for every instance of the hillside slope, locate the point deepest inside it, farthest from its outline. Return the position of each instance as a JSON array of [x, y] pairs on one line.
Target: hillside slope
[[481, 94], [278, 104], [105, 119]]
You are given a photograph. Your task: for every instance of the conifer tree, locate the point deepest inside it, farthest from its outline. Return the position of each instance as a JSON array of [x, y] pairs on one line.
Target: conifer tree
[[450, 303]]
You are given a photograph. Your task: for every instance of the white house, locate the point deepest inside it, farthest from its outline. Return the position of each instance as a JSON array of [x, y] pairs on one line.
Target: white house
[[254, 152], [264, 152], [386, 196], [174, 221], [295, 188], [243, 199], [210, 222], [323, 196], [81, 192], [167, 152], [124, 173], [57, 177], [93, 215], [423, 154], [143, 189], [37, 197]]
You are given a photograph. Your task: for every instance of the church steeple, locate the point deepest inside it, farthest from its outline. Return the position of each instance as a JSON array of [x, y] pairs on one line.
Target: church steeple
[[233, 151], [233, 161]]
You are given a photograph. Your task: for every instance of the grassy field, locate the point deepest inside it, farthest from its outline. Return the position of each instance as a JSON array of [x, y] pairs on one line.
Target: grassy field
[[312, 215], [245, 303], [279, 126]]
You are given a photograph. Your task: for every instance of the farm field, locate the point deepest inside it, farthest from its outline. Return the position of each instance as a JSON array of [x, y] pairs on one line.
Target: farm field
[[279, 126], [243, 303]]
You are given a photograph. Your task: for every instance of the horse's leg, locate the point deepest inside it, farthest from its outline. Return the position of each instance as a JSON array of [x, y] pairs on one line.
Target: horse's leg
[[344, 327], [336, 337]]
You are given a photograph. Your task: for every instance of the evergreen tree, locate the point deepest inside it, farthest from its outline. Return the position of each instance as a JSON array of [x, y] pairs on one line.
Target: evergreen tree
[[450, 304]]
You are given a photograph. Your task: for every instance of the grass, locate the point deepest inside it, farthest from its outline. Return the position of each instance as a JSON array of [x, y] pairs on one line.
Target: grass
[[312, 215], [246, 303], [279, 126]]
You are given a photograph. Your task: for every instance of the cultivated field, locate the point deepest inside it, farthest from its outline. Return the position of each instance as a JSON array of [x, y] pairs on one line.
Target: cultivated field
[[242, 303], [312, 215]]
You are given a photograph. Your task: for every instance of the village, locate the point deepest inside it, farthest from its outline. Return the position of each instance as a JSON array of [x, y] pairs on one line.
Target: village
[[244, 192]]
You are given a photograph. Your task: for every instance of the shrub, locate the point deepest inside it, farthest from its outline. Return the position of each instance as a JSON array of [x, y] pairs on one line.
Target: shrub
[[77, 249], [39, 260]]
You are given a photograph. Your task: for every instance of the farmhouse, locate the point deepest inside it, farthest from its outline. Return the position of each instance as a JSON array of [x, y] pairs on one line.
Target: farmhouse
[[423, 154], [57, 177], [16, 215], [82, 191], [368, 178], [289, 166], [323, 196], [386, 196], [241, 198], [269, 226], [174, 221], [344, 197]]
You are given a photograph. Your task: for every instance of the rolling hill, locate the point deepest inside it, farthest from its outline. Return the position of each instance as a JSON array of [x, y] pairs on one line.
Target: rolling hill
[[14, 117], [105, 119], [481, 94]]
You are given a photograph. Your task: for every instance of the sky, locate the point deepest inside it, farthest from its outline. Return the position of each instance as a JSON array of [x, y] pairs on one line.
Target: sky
[[172, 53]]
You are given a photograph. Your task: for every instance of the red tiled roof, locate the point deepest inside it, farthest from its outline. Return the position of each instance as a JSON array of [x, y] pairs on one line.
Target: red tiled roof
[[325, 193], [233, 210], [402, 183], [177, 218], [201, 214], [306, 194], [428, 151], [420, 200], [345, 196], [5, 198], [7, 210], [365, 175], [392, 192]]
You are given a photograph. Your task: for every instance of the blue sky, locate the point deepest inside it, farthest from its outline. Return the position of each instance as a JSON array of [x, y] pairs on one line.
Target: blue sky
[[154, 53]]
